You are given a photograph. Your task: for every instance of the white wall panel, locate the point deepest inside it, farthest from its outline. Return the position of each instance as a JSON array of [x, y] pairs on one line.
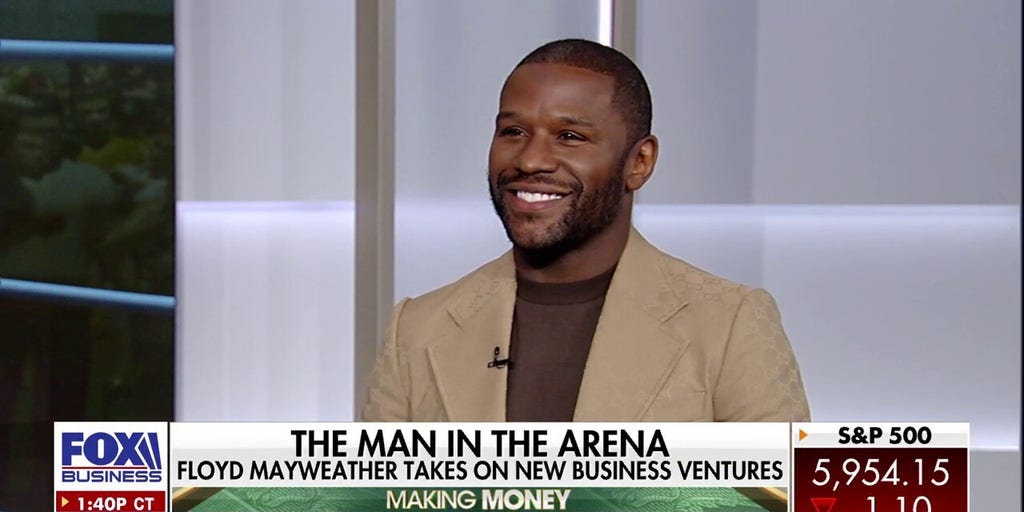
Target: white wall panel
[[699, 58], [265, 100], [265, 176], [834, 102], [444, 241], [993, 472], [265, 312], [929, 300], [895, 313], [888, 102]]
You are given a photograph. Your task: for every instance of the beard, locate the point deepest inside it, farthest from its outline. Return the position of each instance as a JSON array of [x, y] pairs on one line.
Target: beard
[[588, 213]]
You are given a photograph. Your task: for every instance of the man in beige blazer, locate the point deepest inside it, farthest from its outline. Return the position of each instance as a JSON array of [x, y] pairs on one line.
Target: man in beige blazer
[[583, 319]]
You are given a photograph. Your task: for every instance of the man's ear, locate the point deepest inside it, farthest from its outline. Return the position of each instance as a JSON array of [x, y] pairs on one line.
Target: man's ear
[[640, 165]]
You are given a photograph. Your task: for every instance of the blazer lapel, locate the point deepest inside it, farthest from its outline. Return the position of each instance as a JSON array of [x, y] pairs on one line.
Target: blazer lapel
[[631, 356], [482, 320]]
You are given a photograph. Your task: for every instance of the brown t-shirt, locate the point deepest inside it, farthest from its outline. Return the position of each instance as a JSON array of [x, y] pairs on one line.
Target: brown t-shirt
[[552, 328]]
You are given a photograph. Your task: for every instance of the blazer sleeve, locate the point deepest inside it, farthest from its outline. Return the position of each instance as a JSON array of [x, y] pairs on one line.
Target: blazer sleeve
[[759, 379], [388, 396]]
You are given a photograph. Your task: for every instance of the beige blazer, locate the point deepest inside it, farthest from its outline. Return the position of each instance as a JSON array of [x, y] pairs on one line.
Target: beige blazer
[[673, 343]]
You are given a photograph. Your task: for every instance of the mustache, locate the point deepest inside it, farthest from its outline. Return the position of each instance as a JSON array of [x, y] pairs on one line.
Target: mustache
[[520, 178]]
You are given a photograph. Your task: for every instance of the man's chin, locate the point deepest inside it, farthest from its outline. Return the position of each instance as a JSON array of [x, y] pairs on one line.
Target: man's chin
[[534, 240], [530, 244]]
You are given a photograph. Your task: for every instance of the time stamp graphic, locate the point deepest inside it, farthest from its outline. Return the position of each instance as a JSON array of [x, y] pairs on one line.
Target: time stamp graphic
[[110, 501], [880, 467]]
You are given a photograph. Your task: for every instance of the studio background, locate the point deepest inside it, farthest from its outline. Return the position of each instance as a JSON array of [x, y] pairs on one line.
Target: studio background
[[860, 160]]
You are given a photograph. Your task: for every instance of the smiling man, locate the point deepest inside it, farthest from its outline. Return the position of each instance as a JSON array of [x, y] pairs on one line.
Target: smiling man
[[583, 319]]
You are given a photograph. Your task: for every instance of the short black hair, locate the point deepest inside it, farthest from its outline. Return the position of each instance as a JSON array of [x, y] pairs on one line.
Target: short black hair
[[632, 97]]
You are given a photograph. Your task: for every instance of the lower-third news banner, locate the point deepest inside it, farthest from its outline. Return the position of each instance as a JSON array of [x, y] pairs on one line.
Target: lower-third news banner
[[479, 466]]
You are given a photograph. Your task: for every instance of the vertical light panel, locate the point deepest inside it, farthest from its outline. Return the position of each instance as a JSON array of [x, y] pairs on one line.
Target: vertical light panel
[[266, 144], [604, 22], [624, 27], [375, 171]]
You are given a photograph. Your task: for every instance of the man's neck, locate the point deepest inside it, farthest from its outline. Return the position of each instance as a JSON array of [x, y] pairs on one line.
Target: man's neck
[[591, 258]]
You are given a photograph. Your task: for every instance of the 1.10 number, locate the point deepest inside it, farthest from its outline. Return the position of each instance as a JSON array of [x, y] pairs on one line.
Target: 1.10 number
[[921, 504]]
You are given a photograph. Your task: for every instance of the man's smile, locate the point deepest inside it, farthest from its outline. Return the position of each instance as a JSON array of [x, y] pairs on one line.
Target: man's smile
[[536, 197], [530, 201]]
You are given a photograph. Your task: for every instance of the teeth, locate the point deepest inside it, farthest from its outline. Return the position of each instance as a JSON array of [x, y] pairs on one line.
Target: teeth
[[533, 197]]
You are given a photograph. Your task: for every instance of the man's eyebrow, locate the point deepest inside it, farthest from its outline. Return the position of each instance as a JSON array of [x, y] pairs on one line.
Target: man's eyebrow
[[575, 121], [565, 120]]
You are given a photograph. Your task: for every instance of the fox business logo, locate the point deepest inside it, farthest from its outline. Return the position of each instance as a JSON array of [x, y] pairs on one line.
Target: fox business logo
[[127, 457]]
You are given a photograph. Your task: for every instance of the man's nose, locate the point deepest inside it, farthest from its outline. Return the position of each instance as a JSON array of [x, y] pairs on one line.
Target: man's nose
[[536, 156]]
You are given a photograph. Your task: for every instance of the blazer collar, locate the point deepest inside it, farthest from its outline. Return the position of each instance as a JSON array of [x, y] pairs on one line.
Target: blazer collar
[[481, 315], [632, 354], [630, 358]]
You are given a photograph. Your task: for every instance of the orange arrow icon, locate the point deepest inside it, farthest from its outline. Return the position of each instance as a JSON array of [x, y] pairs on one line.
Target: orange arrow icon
[[802, 434], [63, 501]]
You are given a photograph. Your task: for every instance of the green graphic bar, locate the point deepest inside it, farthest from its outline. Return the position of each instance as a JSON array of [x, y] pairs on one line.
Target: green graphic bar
[[586, 499]]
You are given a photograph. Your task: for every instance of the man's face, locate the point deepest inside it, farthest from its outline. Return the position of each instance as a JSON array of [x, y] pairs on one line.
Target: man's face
[[557, 156]]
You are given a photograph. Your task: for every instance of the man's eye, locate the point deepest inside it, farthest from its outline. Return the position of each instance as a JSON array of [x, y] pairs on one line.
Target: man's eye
[[572, 136], [512, 131]]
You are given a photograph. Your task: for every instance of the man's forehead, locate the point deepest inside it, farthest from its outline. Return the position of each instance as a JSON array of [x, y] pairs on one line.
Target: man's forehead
[[557, 83]]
